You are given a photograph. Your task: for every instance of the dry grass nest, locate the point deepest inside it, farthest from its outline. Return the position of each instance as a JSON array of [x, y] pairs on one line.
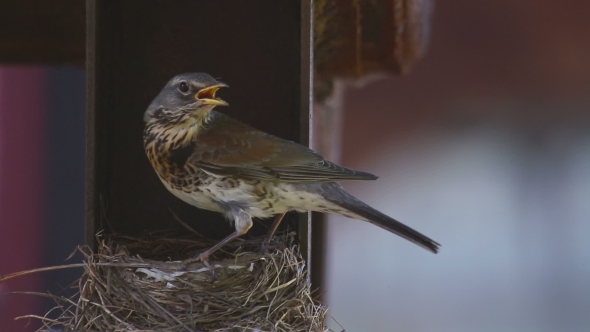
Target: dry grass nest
[[252, 291]]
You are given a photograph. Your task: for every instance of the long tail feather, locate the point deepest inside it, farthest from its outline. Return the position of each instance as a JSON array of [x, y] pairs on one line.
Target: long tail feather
[[336, 195]]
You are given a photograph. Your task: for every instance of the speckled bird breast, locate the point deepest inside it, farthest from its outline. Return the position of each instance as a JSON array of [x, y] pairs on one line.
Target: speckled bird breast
[[208, 191]]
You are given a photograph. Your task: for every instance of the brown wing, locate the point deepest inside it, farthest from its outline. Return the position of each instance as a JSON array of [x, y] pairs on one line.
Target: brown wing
[[230, 148]]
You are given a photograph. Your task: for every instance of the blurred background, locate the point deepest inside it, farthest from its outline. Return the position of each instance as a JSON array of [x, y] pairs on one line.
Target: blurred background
[[42, 144], [484, 146]]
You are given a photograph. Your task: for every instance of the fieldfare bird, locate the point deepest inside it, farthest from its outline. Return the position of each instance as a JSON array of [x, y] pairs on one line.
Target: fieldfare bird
[[214, 162]]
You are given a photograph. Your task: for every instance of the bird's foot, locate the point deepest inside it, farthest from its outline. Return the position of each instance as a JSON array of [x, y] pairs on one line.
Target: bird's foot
[[204, 258]]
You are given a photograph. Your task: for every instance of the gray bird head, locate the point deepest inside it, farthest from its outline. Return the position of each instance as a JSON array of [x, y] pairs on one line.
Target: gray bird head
[[188, 93]]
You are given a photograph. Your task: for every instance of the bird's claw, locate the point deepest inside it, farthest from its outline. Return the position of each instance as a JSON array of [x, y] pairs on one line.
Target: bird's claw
[[204, 258]]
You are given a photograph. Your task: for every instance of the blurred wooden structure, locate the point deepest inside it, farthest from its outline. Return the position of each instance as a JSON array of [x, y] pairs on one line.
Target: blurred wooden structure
[[355, 38]]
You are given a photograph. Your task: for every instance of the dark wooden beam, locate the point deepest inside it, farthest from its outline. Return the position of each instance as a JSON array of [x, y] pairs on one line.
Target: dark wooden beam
[[42, 32], [262, 49]]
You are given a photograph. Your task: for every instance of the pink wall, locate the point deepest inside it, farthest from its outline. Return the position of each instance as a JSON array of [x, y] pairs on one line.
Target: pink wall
[[22, 110]]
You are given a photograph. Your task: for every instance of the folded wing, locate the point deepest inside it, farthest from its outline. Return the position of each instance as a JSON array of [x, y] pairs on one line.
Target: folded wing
[[228, 147]]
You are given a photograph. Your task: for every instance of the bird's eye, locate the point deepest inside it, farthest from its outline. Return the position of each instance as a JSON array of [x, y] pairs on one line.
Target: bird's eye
[[183, 87]]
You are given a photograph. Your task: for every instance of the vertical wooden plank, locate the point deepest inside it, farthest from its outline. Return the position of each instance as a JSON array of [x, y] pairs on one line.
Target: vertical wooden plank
[[91, 125], [306, 112]]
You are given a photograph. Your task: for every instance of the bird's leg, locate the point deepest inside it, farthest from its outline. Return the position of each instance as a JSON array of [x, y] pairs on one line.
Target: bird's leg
[[243, 224], [271, 231]]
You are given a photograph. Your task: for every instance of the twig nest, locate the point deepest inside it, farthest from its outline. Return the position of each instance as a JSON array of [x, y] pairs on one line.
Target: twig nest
[[252, 291]]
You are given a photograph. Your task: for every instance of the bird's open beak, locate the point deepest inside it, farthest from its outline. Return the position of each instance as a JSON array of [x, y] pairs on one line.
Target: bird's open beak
[[207, 95]]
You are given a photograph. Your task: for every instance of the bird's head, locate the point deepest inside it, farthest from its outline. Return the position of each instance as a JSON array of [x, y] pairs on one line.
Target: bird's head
[[186, 96]]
